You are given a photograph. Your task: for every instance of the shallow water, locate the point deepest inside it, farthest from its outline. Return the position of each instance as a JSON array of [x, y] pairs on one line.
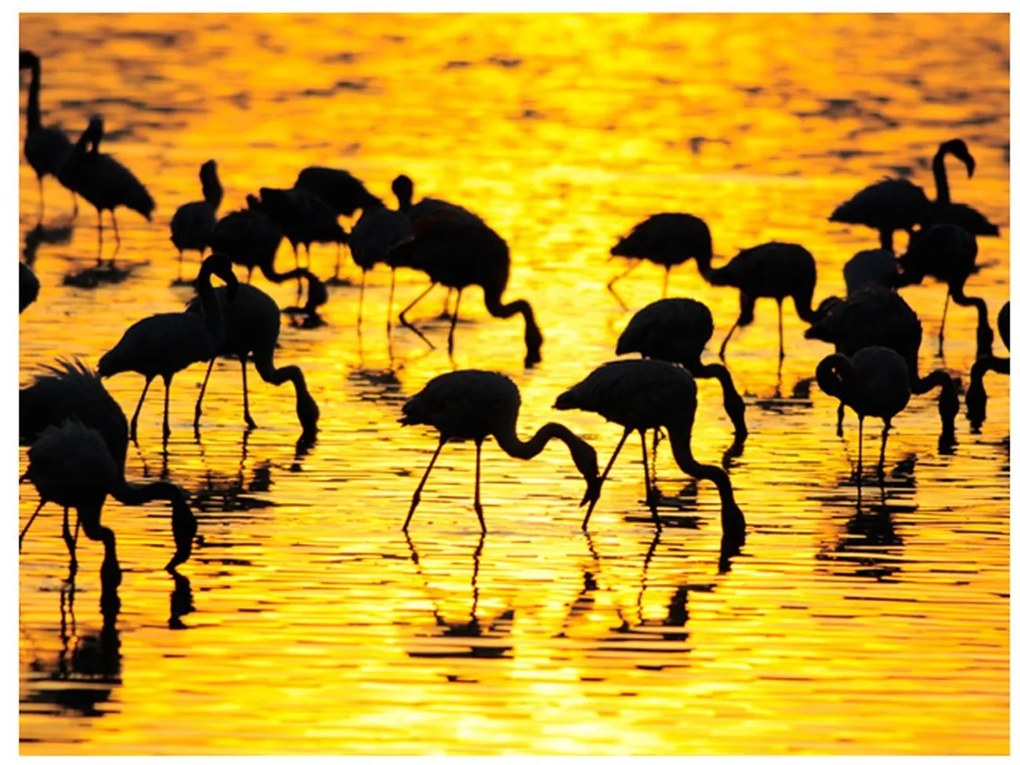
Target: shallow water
[[307, 622]]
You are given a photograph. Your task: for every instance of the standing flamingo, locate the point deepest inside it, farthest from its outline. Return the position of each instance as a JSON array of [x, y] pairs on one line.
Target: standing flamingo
[[879, 316], [193, 222], [976, 396], [28, 287], [645, 395], [166, 343], [677, 330], [248, 237], [871, 268], [344, 193], [874, 382], [948, 253], [46, 148], [68, 389], [304, 218], [70, 465], [471, 405], [459, 255], [947, 211], [103, 181], [668, 239], [251, 327], [774, 270]]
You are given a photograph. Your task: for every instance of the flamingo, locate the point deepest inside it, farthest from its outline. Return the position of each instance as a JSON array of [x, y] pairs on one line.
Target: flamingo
[[103, 181], [668, 239], [471, 405], [46, 148], [193, 222], [643, 395], [304, 218], [68, 389], [879, 316], [948, 253], [251, 322], [457, 254], [871, 268], [28, 287], [166, 343], [946, 211], [70, 465], [874, 382], [344, 193], [976, 396], [248, 237], [677, 330], [775, 270]]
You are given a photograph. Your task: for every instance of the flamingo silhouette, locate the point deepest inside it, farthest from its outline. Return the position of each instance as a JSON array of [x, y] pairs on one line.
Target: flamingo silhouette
[[977, 398], [774, 270], [28, 287], [948, 253], [193, 222], [874, 382], [69, 390], [471, 405], [304, 218], [46, 148], [645, 395], [878, 316], [947, 211], [677, 330], [166, 343], [344, 193], [70, 465], [871, 268], [103, 181], [457, 254], [251, 327], [667, 239], [248, 237]]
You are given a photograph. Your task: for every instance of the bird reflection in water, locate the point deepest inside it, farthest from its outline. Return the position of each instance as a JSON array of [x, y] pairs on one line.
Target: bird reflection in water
[[39, 235], [462, 639]]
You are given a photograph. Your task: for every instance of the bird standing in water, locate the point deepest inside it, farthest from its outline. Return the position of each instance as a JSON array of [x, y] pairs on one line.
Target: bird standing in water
[[471, 405], [166, 343], [644, 395], [976, 396], [875, 382], [193, 222]]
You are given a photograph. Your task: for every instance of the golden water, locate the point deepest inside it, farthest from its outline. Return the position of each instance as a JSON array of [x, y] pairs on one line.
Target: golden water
[[306, 622]]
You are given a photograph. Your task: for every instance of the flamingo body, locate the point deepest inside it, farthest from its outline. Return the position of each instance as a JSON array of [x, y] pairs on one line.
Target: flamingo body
[[46, 148], [341, 191]]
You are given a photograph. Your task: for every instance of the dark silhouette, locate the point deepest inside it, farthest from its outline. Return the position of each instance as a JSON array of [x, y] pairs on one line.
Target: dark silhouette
[[303, 218], [68, 389], [871, 268], [193, 222], [645, 395], [341, 191], [103, 181], [460, 254], [166, 343], [889, 205], [879, 316], [28, 287], [40, 234], [774, 270], [677, 330], [46, 148], [948, 253], [251, 327], [249, 238], [70, 465], [667, 239], [977, 399], [875, 382], [471, 405], [946, 211]]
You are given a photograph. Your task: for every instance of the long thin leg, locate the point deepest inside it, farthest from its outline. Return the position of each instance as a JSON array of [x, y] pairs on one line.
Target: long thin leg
[[651, 493], [116, 234], [416, 498], [453, 322], [99, 257], [70, 542], [782, 351], [617, 278], [166, 406], [860, 449], [406, 323], [389, 305], [942, 326], [361, 297], [42, 199], [201, 392], [840, 411], [665, 282], [134, 417], [24, 531], [478, 475], [881, 456], [626, 432], [244, 387], [180, 265]]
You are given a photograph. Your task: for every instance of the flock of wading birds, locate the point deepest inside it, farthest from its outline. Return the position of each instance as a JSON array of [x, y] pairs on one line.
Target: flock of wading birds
[[77, 434]]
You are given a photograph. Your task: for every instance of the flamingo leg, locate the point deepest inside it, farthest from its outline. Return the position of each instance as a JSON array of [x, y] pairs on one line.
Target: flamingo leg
[[70, 542], [416, 498], [881, 456], [746, 317], [116, 234], [336, 265], [201, 392], [612, 459], [453, 322], [403, 315], [180, 265], [839, 419], [665, 282], [134, 417], [24, 531], [782, 351], [651, 493], [99, 257], [478, 474], [617, 278], [942, 326], [389, 305], [42, 199], [244, 387], [860, 450], [361, 297], [885, 239], [166, 406]]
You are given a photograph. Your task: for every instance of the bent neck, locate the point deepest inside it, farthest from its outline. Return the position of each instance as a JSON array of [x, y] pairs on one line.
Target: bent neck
[[680, 441], [307, 409], [511, 443], [532, 334], [733, 403], [941, 179], [210, 305]]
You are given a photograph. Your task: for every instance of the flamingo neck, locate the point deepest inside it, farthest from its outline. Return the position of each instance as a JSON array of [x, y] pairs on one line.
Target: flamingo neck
[[34, 110], [532, 334], [581, 452], [733, 403], [183, 523], [307, 409], [941, 179], [212, 191]]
